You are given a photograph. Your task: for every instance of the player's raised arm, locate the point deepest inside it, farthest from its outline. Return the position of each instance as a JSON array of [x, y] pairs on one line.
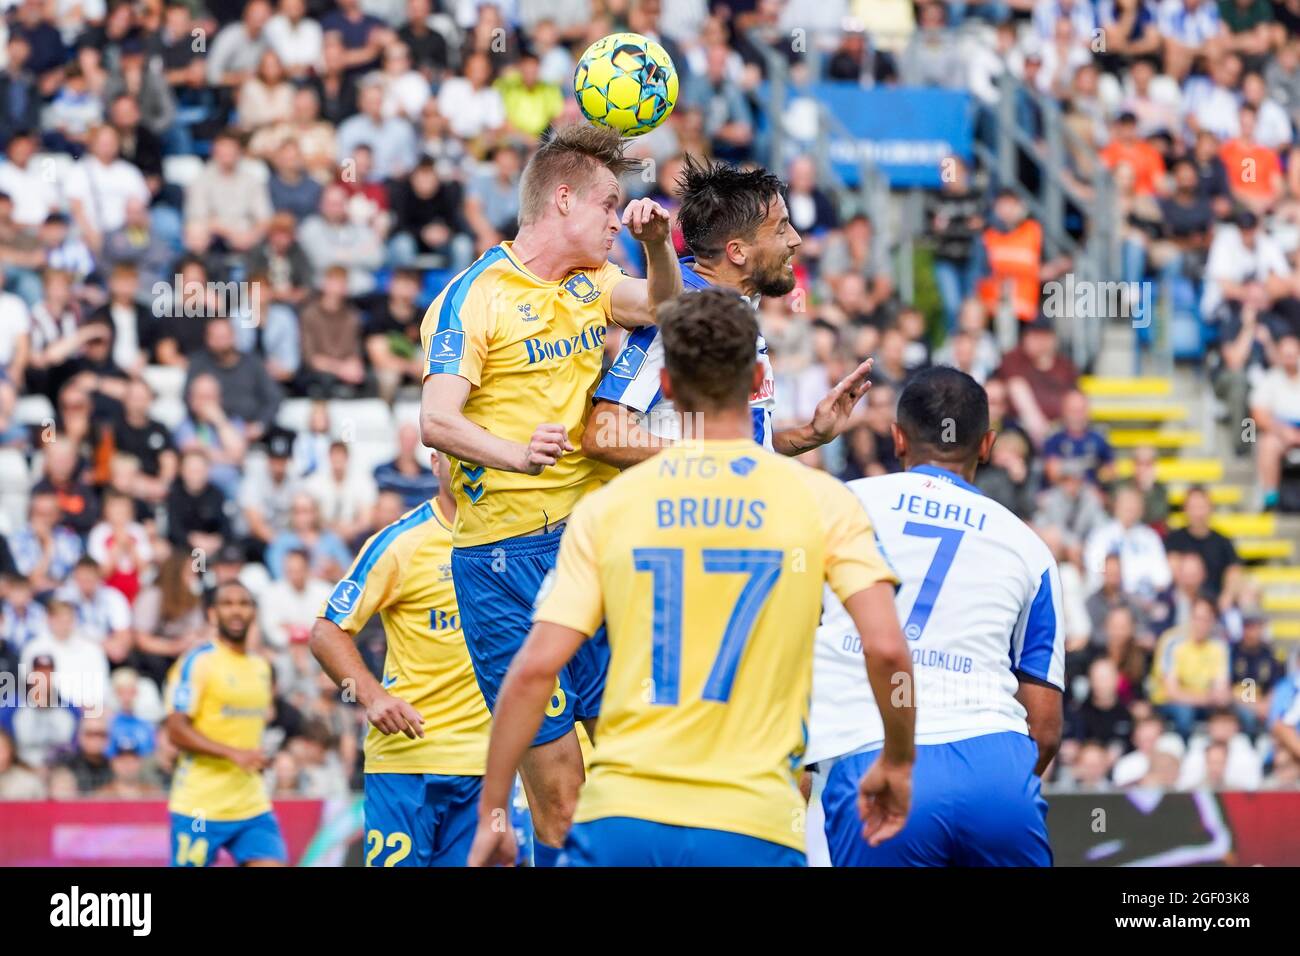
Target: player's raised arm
[[614, 437], [633, 302], [443, 425], [830, 417]]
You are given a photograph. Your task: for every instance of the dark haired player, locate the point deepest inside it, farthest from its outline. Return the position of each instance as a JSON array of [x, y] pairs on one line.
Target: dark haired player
[[736, 224], [218, 700], [980, 602], [707, 565]]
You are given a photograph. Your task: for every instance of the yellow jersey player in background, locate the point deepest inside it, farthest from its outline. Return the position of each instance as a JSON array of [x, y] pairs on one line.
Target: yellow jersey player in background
[[218, 703], [707, 564], [514, 347], [429, 726]]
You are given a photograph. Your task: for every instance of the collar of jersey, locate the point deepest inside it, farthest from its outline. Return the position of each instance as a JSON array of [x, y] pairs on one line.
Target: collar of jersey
[[508, 248], [946, 475], [687, 263]]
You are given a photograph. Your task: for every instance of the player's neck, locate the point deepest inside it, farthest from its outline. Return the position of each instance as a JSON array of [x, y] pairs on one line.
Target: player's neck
[[445, 504], [542, 256], [719, 425], [723, 273], [964, 471], [236, 647]]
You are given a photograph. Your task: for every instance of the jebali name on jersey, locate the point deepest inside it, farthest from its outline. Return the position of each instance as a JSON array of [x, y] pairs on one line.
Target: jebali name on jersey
[[980, 603]]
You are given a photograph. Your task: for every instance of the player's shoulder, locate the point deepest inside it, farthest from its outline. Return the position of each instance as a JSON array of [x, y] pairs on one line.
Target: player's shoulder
[[479, 277], [401, 538], [194, 661]]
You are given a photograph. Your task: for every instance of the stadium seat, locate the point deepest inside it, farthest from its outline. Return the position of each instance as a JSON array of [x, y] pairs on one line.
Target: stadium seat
[[1201, 470], [1281, 602], [1254, 549], [1156, 438], [1275, 575], [362, 419], [255, 577], [294, 414], [181, 170], [1095, 386], [13, 471], [167, 381], [169, 412], [1236, 525], [1286, 629], [1138, 412], [33, 410], [404, 412], [13, 510]]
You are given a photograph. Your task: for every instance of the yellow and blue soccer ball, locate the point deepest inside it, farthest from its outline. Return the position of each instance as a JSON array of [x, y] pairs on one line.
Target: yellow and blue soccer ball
[[627, 82]]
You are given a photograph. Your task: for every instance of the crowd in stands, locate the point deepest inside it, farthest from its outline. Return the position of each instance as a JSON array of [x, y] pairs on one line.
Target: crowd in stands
[[221, 223]]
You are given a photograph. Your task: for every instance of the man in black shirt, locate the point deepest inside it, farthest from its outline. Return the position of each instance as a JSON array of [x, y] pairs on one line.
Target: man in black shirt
[[427, 218], [1255, 669], [196, 509], [1186, 218], [1222, 566], [1102, 716], [148, 442]]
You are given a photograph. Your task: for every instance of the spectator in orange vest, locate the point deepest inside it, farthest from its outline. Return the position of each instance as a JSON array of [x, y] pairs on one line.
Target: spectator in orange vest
[[1013, 250], [1128, 149], [1254, 170]]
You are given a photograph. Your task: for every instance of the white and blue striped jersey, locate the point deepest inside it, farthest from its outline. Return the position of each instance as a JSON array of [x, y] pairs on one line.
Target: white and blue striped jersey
[[633, 379], [979, 602]]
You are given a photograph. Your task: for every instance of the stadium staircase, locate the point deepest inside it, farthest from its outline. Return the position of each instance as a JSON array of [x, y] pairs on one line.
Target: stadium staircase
[[1175, 414]]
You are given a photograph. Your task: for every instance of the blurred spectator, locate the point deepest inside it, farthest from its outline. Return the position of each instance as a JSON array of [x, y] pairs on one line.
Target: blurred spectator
[[391, 140], [169, 615], [17, 780], [1222, 566], [238, 47], [1144, 569], [100, 185], [332, 363], [1155, 495], [1222, 758], [196, 508], [1275, 405], [292, 190], [128, 726], [291, 604], [1078, 443], [103, 614], [207, 428], [956, 222], [80, 666], [329, 556], [1037, 377], [45, 549], [227, 207], [267, 492], [1072, 505], [1283, 714], [282, 261], [1194, 677], [330, 239], [428, 220], [346, 494], [492, 199], [266, 97], [1134, 765], [409, 473], [1254, 170], [248, 394], [295, 38], [1255, 671], [25, 182], [22, 617], [89, 762], [531, 103], [45, 725], [1173, 606], [728, 120], [120, 545]]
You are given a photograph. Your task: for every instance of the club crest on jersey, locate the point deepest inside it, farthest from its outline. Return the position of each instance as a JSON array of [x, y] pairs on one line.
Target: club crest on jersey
[[582, 288], [743, 466], [526, 312], [447, 346], [628, 363], [344, 596]]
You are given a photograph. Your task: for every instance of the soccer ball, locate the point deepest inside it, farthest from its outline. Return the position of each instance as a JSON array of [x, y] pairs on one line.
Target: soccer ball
[[627, 82]]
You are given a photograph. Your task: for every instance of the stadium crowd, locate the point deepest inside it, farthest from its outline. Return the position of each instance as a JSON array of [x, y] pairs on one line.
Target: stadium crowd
[[163, 431]]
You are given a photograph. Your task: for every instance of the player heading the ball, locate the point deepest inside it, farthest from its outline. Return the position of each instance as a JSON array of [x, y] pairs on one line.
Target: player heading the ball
[[514, 347], [707, 564]]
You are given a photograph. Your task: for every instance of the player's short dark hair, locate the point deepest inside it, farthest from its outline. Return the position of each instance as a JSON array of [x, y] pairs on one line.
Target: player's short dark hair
[[573, 155], [946, 411], [721, 203], [710, 343]]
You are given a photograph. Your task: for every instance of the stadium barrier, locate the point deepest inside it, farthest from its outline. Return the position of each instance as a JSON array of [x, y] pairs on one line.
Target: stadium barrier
[[1108, 829]]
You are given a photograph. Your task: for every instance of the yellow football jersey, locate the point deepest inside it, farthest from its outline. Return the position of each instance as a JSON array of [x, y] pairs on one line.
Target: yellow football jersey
[[707, 564], [404, 573], [228, 697], [532, 352]]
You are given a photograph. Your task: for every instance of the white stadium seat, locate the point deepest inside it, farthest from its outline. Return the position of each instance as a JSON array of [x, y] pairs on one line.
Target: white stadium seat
[[167, 381], [33, 410], [181, 170], [169, 412]]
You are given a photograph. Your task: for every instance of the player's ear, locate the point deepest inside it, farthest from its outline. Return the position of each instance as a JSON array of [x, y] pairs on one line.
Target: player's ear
[[900, 440], [563, 197], [736, 252], [986, 446], [666, 384]]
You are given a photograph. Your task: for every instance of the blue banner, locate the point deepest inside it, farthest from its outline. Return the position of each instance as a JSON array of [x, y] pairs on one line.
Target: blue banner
[[907, 133]]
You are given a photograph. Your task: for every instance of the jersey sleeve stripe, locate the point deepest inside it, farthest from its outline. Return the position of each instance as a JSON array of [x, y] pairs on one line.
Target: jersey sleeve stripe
[[182, 693], [454, 299], [640, 390], [1039, 640], [374, 550]]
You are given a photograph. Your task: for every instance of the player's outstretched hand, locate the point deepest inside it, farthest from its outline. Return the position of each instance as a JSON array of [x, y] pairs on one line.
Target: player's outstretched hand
[[392, 715], [494, 840], [548, 444], [884, 799], [833, 412], [647, 220]]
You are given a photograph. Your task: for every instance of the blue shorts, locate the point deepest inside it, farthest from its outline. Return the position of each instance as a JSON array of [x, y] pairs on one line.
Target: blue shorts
[[975, 802], [195, 842], [627, 841], [496, 585], [420, 819]]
